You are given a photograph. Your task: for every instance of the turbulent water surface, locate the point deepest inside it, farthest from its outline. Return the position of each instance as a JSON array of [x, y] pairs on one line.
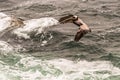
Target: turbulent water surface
[[42, 49]]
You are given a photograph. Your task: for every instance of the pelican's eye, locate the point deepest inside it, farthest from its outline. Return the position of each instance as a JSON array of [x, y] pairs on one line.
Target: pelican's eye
[[75, 18]]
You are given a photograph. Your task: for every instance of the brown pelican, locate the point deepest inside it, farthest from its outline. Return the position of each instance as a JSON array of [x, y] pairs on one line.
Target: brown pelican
[[83, 28]]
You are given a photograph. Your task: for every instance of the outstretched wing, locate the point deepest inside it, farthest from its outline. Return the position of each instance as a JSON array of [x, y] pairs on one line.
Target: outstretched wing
[[66, 19]]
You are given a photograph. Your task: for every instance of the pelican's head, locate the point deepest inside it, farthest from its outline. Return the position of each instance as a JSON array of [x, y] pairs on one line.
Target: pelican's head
[[68, 19]]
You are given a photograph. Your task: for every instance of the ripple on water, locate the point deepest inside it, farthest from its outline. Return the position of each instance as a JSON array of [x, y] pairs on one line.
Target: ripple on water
[[41, 8]]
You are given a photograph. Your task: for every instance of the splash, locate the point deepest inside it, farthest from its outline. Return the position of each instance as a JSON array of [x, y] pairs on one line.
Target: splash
[[24, 29], [34, 25]]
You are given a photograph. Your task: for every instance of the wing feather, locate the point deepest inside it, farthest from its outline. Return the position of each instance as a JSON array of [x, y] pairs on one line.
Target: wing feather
[[79, 35]]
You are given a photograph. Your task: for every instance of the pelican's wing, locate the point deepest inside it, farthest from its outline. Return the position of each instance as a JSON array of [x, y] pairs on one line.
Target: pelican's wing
[[79, 35]]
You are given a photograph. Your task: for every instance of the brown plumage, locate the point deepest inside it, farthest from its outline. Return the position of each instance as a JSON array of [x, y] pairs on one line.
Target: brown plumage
[[84, 29], [66, 19], [80, 34]]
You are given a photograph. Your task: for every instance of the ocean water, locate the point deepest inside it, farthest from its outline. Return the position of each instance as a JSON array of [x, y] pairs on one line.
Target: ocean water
[[34, 52], [16, 65], [26, 67]]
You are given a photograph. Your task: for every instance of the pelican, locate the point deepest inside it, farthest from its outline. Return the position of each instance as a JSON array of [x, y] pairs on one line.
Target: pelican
[[83, 28]]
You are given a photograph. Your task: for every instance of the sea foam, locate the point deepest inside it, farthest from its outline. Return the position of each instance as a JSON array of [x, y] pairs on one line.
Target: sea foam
[[33, 25]]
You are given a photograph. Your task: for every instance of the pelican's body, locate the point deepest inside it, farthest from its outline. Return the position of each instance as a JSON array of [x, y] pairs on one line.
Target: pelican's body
[[83, 28]]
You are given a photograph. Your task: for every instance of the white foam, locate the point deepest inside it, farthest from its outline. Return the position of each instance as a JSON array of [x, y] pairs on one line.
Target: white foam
[[44, 42], [5, 21], [59, 69], [82, 67], [2, 15], [35, 25], [5, 47]]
